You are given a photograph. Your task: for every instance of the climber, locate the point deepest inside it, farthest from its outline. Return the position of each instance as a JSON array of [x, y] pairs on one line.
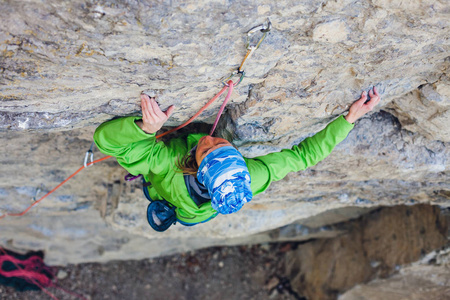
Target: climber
[[193, 178]]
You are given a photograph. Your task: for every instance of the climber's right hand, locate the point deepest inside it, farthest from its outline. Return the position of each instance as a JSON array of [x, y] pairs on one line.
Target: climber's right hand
[[153, 118], [362, 106]]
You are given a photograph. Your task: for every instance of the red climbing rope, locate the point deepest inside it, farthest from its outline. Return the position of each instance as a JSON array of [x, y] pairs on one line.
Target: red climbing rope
[[230, 89], [33, 270], [198, 113], [28, 271]]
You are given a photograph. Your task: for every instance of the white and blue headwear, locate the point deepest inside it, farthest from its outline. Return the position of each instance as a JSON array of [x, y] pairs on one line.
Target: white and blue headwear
[[225, 175]]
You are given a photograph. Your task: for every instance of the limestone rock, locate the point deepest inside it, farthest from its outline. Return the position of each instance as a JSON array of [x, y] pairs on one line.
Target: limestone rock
[[376, 245], [67, 66], [420, 280], [424, 282], [426, 110]]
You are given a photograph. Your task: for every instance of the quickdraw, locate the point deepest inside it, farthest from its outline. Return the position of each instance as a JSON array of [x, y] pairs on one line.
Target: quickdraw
[[251, 47]]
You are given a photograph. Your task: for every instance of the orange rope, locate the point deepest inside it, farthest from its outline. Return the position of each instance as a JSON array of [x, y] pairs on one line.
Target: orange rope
[[106, 157], [57, 187]]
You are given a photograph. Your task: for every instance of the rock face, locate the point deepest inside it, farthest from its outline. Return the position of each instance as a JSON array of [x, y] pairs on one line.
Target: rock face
[[416, 282], [375, 245], [425, 110], [68, 66], [426, 279]]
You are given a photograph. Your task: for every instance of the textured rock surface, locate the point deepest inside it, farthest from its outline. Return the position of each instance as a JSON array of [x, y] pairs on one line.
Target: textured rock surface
[[414, 283], [375, 246], [428, 279], [67, 66], [425, 110]]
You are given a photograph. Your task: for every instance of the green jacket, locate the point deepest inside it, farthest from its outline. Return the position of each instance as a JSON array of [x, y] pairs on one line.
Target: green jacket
[[140, 153]]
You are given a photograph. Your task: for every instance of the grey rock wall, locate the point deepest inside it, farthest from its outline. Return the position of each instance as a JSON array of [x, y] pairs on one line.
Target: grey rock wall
[[68, 66]]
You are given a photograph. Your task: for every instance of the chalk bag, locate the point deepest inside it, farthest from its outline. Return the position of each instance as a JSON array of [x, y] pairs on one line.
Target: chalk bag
[[161, 215]]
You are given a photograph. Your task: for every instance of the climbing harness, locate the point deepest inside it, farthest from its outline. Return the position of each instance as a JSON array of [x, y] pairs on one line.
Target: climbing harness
[[251, 46]]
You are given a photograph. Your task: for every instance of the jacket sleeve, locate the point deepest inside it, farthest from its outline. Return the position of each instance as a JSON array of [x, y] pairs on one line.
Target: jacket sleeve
[[275, 166], [135, 150]]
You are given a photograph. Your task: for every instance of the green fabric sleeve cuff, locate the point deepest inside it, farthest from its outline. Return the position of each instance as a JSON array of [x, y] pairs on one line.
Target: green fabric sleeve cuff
[[339, 128], [141, 133], [343, 124], [118, 133]]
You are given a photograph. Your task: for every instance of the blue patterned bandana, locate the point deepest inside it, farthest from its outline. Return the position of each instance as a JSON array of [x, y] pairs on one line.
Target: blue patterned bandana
[[226, 176]]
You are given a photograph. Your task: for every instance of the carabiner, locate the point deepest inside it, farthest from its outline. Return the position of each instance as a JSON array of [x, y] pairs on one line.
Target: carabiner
[[86, 164], [241, 75], [86, 157], [131, 177], [38, 190], [264, 28]]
